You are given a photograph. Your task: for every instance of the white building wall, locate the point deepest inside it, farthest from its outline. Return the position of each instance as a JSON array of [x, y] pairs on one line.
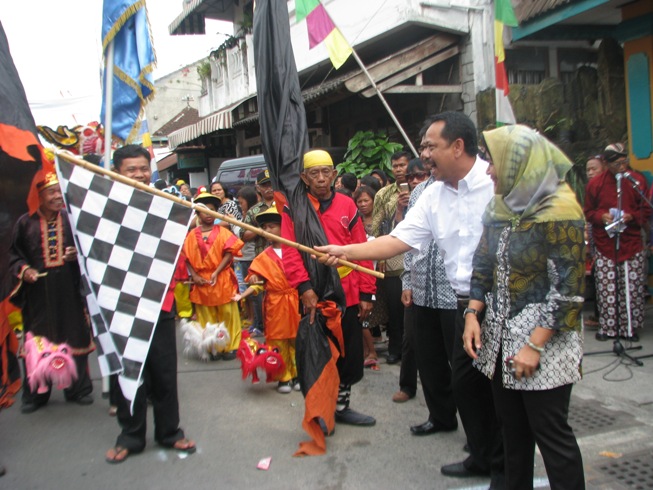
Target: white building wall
[[169, 92], [364, 21]]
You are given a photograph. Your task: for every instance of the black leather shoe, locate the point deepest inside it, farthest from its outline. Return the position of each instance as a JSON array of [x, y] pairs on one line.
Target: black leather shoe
[[633, 338], [602, 337], [324, 428], [498, 482], [393, 359], [459, 470], [430, 427], [29, 407], [84, 400], [352, 417]]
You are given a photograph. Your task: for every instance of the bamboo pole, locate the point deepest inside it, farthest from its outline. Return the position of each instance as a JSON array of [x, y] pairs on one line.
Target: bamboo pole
[[146, 188], [384, 102]]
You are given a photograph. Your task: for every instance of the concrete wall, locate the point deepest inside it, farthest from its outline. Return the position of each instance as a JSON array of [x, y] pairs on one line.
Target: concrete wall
[[169, 91]]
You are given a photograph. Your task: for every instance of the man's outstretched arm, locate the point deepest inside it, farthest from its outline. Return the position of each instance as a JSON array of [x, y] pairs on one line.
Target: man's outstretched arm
[[378, 249]]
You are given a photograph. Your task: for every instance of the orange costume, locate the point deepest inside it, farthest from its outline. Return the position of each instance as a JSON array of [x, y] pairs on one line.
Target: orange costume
[[280, 308], [213, 302]]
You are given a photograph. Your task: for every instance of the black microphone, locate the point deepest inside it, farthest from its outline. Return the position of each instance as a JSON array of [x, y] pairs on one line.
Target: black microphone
[[632, 179]]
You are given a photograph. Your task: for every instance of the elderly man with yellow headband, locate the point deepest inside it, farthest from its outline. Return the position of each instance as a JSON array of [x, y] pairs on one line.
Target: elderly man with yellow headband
[[342, 225], [45, 283]]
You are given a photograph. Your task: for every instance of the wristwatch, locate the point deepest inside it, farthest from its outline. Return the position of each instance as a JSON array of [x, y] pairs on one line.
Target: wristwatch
[[470, 310]]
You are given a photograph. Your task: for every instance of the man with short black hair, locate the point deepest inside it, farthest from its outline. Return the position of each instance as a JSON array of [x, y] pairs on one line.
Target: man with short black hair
[[390, 205], [449, 212], [160, 368]]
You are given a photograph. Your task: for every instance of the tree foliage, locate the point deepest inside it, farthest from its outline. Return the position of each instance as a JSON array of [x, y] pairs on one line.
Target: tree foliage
[[367, 151]]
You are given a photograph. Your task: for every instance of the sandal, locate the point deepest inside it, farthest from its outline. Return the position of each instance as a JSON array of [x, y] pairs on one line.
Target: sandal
[[372, 363], [184, 445], [116, 455]]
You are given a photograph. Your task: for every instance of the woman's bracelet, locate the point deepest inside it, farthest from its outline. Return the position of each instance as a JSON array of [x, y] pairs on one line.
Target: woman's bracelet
[[536, 348]]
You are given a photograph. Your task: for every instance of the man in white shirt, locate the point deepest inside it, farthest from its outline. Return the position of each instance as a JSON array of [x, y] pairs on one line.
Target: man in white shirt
[[449, 212]]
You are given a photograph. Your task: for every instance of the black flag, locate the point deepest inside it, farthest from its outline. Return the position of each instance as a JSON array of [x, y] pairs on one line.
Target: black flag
[[284, 138]]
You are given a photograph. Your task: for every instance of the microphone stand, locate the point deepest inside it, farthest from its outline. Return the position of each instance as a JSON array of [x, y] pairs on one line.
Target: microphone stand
[[617, 347]]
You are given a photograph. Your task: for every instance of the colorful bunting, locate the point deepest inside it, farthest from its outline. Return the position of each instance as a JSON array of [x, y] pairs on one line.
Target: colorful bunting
[[504, 15], [322, 29]]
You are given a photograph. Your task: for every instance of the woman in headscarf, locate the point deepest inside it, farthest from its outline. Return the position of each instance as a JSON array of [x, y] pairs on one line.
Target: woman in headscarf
[[523, 325]]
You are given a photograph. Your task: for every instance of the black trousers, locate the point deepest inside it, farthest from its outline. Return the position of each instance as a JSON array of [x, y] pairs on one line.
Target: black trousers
[[392, 293], [473, 394], [433, 332], [350, 367], [529, 417], [82, 386], [408, 371], [160, 384]]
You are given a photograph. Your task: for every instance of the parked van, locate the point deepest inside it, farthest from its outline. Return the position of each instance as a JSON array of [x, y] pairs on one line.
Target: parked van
[[239, 172]]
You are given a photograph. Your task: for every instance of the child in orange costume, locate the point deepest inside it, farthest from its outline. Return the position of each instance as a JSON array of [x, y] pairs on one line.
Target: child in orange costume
[[209, 251], [281, 303]]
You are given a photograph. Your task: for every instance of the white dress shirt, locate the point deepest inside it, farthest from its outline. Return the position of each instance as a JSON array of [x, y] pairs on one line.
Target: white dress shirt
[[451, 217]]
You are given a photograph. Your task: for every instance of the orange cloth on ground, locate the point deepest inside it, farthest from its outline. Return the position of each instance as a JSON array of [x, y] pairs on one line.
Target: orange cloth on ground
[[204, 258], [320, 400], [281, 304]]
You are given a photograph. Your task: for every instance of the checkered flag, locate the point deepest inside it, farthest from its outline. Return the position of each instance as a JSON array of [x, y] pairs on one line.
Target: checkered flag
[[128, 242]]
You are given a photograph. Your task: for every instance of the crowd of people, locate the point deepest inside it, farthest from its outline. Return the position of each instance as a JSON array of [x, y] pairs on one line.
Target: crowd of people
[[482, 246]]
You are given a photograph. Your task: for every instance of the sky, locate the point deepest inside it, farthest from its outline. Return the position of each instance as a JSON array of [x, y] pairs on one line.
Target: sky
[[57, 51]]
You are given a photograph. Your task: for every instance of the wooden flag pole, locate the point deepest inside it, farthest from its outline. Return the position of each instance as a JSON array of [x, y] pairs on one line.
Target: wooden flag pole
[[384, 102], [69, 157], [108, 105]]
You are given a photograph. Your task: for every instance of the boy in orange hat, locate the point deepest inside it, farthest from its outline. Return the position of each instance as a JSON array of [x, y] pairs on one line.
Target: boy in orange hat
[[281, 303]]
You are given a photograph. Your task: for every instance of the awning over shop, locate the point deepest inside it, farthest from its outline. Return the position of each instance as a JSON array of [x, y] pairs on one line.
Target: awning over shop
[[213, 122], [191, 19], [166, 162]]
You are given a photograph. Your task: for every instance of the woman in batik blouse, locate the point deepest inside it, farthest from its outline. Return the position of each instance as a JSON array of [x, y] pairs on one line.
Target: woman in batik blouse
[[527, 296]]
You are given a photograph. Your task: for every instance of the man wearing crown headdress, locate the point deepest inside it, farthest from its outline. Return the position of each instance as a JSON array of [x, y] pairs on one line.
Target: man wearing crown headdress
[[44, 281]]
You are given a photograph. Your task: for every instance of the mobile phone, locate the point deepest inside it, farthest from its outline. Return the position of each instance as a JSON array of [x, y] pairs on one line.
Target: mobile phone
[[404, 187]]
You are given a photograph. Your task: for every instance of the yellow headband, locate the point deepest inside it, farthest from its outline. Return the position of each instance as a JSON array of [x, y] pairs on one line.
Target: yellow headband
[[317, 158]]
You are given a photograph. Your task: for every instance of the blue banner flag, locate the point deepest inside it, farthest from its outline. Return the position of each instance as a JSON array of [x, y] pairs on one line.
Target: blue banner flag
[[125, 23]]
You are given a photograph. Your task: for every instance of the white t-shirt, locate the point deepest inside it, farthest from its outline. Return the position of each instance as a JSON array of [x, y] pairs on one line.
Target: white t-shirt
[[451, 217]]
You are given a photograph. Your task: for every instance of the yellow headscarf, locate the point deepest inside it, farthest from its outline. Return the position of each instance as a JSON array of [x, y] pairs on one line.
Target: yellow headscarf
[[530, 178]]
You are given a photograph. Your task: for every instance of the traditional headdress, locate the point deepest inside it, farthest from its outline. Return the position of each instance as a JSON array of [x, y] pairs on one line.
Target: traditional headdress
[[50, 180]]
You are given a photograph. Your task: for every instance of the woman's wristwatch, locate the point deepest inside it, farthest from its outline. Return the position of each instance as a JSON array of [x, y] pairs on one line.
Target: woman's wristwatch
[[470, 310]]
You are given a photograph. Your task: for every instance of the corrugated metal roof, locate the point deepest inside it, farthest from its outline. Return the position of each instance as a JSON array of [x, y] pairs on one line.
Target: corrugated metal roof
[[185, 118], [308, 95], [527, 9], [212, 122]]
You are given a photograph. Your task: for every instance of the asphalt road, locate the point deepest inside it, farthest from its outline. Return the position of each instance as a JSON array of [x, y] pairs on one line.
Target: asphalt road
[[236, 424]]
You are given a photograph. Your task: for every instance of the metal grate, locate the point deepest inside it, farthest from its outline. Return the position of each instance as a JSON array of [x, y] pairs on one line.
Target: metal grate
[[633, 471], [588, 417]]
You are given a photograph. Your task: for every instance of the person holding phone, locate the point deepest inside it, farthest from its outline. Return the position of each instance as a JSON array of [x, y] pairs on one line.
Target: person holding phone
[[523, 324], [390, 206]]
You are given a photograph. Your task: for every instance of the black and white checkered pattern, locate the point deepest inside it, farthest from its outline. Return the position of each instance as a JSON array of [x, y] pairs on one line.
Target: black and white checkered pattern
[[128, 242]]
